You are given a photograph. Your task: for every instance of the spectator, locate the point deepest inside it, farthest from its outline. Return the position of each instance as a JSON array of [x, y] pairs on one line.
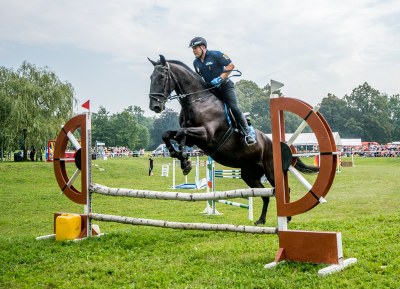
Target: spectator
[[150, 165], [32, 154]]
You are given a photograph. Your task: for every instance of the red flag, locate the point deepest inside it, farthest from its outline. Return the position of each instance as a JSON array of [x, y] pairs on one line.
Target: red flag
[[86, 105]]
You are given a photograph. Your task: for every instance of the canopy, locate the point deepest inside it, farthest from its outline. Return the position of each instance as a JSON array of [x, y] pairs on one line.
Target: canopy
[[356, 142]]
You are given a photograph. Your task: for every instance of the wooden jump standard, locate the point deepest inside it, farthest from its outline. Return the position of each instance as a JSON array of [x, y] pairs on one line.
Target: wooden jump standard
[[297, 246]]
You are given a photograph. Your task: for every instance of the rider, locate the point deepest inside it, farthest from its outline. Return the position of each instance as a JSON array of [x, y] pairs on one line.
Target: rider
[[215, 67]]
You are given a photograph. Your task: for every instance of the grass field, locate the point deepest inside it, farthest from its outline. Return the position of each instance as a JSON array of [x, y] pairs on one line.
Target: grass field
[[363, 204]]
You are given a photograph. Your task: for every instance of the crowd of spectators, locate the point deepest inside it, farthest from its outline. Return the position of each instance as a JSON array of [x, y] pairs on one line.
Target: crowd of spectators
[[372, 150], [388, 150], [114, 152]]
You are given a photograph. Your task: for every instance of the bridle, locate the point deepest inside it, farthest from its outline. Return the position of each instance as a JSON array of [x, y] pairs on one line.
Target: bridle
[[163, 97]]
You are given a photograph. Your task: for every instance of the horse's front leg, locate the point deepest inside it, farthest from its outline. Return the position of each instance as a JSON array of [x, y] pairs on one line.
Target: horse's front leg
[[181, 155], [192, 135], [167, 136], [186, 164]]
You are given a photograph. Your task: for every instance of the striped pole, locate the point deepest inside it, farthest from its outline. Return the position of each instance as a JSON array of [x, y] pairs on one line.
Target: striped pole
[[210, 204], [240, 205]]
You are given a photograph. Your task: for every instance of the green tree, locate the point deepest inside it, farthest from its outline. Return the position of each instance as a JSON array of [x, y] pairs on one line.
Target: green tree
[[247, 92], [255, 100], [101, 126], [143, 139], [371, 109], [394, 112], [5, 111], [141, 118], [145, 124], [353, 128], [337, 113], [168, 120], [126, 128], [40, 104]]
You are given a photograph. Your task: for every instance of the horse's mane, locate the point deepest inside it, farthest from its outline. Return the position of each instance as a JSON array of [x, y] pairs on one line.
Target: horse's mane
[[193, 73]]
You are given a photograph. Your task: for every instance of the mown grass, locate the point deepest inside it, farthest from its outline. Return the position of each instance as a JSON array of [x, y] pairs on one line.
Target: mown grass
[[363, 204]]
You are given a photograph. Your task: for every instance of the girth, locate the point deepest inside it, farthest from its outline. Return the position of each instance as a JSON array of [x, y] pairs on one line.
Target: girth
[[223, 140], [232, 128]]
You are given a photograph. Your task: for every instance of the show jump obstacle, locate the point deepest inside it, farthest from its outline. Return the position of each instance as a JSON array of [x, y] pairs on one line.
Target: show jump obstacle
[[294, 245], [212, 175]]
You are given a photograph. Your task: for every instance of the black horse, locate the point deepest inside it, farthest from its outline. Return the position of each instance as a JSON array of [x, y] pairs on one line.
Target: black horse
[[204, 123]]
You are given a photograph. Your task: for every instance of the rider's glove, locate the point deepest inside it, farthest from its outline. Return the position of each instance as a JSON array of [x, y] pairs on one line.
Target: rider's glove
[[216, 81]]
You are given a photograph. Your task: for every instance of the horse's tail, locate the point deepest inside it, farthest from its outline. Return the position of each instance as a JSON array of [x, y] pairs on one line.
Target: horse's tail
[[302, 167]]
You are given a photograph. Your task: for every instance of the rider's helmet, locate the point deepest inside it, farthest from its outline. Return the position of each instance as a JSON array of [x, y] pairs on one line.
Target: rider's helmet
[[198, 41]]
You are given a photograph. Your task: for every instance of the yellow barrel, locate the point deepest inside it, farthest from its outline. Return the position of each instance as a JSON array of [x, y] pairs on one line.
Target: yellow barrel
[[68, 227]]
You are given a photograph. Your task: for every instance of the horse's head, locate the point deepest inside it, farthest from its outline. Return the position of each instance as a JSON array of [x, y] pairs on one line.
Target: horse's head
[[161, 85]]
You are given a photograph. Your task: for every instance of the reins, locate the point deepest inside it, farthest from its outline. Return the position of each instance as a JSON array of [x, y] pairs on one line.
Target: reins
[[182, 95]]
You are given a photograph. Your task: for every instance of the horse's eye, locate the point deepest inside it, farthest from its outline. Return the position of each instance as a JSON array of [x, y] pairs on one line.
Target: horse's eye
[[162, 76]]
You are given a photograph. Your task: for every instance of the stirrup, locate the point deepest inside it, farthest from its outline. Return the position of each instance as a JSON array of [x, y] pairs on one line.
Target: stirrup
[[250, 140]]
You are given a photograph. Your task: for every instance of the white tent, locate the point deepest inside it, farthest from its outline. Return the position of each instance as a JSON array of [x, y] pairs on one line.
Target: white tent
[[356, 142], [309, 138]]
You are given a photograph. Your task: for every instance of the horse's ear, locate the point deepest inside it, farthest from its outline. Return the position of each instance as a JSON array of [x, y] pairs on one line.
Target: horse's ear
[[152, 62], [162, 59]]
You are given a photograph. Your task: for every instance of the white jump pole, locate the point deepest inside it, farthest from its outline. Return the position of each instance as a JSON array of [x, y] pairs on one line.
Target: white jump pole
[[184, 226], [196, 176], [210, 204], [173, 174], [178, 196]]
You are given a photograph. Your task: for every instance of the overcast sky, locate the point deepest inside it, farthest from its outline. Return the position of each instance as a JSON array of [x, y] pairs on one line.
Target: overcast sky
[[101, 47]]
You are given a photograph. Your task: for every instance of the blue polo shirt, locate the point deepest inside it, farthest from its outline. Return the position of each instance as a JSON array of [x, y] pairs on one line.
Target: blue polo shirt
[[213, 65]]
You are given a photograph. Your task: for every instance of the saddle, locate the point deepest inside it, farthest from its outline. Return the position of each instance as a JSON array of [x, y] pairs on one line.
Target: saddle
[[233, 127], [234, 124]]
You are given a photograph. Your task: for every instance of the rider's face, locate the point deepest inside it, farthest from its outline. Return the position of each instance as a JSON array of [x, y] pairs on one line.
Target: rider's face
[[197, 51]]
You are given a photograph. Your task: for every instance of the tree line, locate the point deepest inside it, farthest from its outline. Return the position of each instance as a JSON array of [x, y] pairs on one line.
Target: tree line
[[366, 113], [131, 128], [35, 103]]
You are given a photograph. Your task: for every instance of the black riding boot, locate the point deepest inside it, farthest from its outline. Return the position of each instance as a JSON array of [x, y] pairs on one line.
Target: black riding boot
[[246, 131], [227, 94]]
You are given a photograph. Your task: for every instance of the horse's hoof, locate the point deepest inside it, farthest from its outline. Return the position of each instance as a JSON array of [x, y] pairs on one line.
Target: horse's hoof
[[187, 169], [259, 223]]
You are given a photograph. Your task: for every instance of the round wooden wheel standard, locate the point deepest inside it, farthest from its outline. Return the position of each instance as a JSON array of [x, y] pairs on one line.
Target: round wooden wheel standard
[[65, 136], [284, 161]]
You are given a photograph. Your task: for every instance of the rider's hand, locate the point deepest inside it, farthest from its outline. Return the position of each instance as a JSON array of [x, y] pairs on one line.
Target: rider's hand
[[216, 81]]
